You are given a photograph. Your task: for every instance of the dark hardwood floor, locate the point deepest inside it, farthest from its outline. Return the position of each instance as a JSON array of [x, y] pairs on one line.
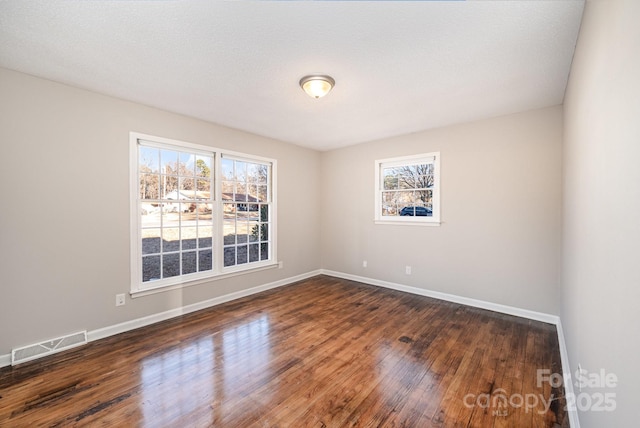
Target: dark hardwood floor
[[324, 352]]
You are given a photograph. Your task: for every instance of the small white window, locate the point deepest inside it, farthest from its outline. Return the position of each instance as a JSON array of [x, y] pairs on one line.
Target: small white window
[[197, 212], [408, 190]]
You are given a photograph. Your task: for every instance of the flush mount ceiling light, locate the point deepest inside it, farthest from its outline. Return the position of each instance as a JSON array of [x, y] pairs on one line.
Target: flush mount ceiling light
[[317, 85]]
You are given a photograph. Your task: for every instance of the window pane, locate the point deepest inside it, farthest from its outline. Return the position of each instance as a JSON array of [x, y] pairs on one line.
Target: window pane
[[390, 203], [229, 211], [265, 173], [389, 179], [170, 265], [150, 215], [240, 192], [205, 236], [227, 169], [253, 173], [149, 186], [242, 229], [264, 232], [187, 165], [264, 251], [254, 234], [189, 262], [430, 180], [405, 210], [229, 256], [241, 171], [227, 190], [170, 239], [149, 160], [203, 166], [205, 260], [169, 184], [254, 253], [169, 162], [241, 254], [229, 232], [389, 210], [189, 235], [150, 268], [151, 239], [262, 193], [264, 212], [253, 193]]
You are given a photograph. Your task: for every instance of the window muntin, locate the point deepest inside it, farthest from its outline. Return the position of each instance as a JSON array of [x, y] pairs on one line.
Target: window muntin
[[175, 208], [407, 189], [246, 199], [182, 229]]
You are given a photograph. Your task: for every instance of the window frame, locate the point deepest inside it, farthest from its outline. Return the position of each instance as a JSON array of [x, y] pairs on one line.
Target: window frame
[[423, 158], [234, 156], [218, 271]]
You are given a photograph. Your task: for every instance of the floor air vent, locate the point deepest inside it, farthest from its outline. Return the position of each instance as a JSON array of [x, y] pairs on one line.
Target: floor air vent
[[48, 347]]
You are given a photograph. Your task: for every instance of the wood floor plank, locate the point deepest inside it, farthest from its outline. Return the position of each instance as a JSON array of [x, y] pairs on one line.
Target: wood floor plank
[[324, 352]]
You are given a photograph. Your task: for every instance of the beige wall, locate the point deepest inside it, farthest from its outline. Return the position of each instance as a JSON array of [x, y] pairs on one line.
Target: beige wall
[[64, 248], [601, 259], [501, 199], [61, 267]]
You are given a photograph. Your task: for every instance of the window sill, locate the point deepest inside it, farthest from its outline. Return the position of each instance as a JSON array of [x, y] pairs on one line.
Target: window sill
[[222, 275], [409, 223]]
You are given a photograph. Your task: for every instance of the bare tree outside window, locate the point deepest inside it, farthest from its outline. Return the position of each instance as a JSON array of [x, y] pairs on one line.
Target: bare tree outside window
[[407, 189]]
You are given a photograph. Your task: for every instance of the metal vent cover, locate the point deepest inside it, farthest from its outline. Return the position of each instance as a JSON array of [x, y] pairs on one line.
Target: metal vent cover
[[48, 347]]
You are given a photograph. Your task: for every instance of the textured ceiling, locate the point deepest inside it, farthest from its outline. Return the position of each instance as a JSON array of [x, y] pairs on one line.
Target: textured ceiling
[[399, 67]]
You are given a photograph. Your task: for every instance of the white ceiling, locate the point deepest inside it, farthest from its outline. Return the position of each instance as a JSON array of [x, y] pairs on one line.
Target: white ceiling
[[399, 67]]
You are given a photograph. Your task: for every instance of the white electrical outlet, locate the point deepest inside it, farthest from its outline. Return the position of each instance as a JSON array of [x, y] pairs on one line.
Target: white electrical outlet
[[280, 265], [364, 263], [120, 301], [407, 270]]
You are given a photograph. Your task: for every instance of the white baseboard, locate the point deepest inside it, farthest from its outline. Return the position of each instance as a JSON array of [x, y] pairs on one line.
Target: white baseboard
[[5, 360], [496, 307], [574, 422], [101, 333], [151, 319]]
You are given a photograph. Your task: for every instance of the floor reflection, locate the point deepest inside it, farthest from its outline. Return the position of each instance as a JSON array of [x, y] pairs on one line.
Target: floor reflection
[[212, 368], [247, 352], [181, 367]]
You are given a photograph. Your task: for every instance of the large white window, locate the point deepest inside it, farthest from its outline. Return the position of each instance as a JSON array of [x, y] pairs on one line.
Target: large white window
[[408, 190], [197, 212]]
